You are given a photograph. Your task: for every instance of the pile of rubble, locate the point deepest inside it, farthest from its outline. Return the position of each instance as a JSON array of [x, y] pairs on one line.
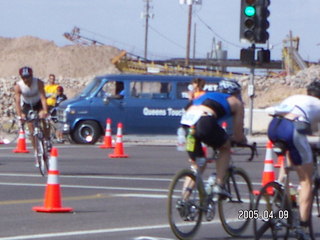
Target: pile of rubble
[[271, 89]]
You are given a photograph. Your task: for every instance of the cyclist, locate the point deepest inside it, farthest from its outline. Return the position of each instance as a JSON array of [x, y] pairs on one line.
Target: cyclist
[[295, 111], [30, 95], [204, 113]]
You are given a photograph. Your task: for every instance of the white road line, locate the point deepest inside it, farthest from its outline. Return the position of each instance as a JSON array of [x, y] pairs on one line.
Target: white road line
[[102, 177], [96, 231], [84, 232], [87, 187], [90, 177]]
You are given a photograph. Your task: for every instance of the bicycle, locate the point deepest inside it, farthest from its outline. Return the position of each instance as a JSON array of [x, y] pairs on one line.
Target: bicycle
[[41, 144], [9, 127], [187, 204], [276, 208]]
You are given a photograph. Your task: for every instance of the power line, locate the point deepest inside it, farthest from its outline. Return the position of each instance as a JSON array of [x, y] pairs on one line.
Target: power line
[[166, 38], [216, 34]]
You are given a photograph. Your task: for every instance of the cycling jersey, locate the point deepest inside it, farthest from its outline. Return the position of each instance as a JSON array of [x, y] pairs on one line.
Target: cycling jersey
[[216, 101], [30, 95], [307, 108], [207, 128]]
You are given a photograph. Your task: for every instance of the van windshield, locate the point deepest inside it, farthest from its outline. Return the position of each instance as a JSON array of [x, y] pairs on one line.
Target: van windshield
[[91, 87]]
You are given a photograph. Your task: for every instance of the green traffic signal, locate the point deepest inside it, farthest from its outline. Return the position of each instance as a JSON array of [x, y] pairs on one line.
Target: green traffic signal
[[250, 11]]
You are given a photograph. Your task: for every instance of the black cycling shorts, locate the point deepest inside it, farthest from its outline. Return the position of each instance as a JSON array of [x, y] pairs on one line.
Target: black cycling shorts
[[27, 107], [208, 131]]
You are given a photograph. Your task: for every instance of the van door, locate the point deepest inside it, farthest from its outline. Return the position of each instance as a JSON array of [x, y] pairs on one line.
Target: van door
[[109, 103]]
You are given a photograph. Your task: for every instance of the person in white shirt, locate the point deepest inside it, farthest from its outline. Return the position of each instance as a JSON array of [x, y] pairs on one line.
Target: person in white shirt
[[293, 119], [30, 95]]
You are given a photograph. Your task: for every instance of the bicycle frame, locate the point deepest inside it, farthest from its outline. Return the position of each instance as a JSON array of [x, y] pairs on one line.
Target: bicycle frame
[[41, 147], [287, 203]]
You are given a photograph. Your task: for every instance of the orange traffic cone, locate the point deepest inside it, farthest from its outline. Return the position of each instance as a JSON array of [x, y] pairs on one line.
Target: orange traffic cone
[[268, 174], [21, 144], [52, 201], [280, 162], [118, 150], [107, 137]]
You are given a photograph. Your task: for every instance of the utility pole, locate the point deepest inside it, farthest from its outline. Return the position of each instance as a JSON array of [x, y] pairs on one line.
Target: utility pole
[[194, 40], [190, 4], [146, 15], [188, 35]]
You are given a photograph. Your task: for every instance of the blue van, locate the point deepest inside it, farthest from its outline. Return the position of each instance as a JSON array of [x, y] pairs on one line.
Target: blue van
[[145, 104]]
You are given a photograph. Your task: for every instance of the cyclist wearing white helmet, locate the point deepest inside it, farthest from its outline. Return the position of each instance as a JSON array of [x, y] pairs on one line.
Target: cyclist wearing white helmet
[[203, 115]]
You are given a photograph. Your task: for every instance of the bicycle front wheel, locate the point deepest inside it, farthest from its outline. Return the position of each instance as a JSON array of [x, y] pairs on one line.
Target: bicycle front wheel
[[184, 206], [231, 210], [273, 219], [41, 156]]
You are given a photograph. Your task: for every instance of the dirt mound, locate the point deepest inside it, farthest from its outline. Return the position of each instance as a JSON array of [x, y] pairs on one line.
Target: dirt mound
[[45, 57]]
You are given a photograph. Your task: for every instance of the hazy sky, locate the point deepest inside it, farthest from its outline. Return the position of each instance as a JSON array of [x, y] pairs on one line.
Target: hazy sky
[[119, 23]]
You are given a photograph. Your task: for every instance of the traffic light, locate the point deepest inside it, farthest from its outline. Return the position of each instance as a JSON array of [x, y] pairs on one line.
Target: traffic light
[[262, 14], [247, 55], [248, 20], [253, 21]]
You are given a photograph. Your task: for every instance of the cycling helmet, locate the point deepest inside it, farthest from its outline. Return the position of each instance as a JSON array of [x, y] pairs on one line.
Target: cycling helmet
[[59, 89], [229, 86], [313, 88], [25, 72]]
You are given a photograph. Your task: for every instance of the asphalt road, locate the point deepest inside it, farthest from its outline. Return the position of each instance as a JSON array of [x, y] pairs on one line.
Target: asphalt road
[[111, 198]]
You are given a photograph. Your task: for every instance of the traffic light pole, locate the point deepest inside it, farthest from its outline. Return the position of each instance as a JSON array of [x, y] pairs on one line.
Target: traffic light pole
[[251, 92]]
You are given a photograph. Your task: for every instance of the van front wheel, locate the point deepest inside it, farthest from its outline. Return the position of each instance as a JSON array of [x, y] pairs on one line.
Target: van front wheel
[[86, 132]]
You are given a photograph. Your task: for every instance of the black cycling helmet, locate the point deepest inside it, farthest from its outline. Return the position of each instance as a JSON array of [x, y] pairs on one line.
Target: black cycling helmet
[[229, 86], [25, 72], [313, 89]]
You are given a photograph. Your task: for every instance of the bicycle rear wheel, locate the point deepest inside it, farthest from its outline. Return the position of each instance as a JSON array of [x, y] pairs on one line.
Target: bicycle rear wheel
[[184, 206], [9, 131], [238, 184], [273, 218], [315, 212], [41, 156]]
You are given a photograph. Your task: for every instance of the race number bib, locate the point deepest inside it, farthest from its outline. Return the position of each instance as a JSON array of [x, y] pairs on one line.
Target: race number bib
[[189, 118]]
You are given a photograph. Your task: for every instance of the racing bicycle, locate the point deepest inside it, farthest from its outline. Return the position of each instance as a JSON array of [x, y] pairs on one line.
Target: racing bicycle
[[187, 205], [42, 144], [277, 209]]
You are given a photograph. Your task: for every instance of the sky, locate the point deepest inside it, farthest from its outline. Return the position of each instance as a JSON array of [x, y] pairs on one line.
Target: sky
[[119, 23]]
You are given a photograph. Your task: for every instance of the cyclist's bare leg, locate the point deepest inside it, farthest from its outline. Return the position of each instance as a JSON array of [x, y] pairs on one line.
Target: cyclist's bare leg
[[223, 161], [305, 196], [189, 184], [30, 127]]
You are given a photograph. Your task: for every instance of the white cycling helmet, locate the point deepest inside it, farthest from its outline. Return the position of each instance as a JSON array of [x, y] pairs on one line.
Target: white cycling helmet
[[229, 86]]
